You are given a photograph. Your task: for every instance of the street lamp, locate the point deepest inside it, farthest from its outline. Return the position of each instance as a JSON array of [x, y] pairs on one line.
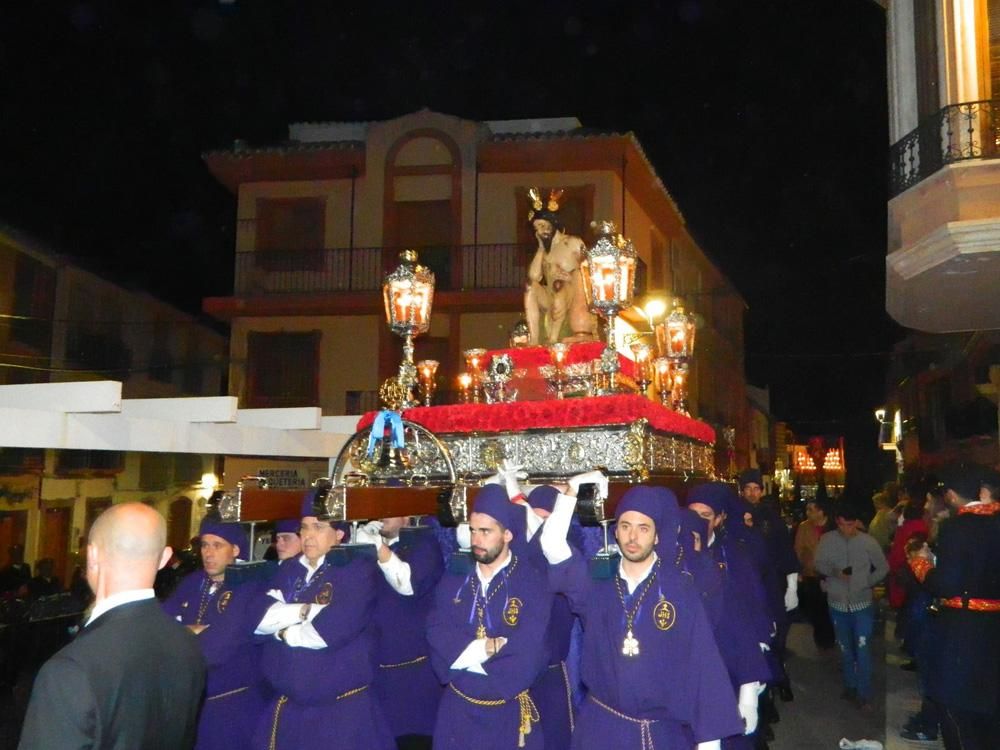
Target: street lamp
[[408, 292], [608, 271]]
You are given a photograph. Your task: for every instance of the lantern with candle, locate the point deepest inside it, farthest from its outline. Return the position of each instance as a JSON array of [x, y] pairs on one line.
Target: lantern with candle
[[608, 272], [464, 386], [426, 374], [475, 361], [408, 293], [675, 335], [663, 378], [641, 353]]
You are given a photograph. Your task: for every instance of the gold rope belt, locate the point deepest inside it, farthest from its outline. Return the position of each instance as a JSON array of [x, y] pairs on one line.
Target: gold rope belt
[[227, 693], [409, 663], [976, 605], [645, 731], [529, 711], [284, 699]]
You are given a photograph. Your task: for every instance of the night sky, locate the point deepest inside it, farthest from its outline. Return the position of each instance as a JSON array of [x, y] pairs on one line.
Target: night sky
[[766, 120]]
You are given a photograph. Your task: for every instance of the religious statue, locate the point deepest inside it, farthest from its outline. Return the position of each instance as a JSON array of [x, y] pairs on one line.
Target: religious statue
[[554, 302]]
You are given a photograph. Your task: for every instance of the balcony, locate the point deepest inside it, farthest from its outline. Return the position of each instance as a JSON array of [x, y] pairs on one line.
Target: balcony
[[956, 133], [466, 267]]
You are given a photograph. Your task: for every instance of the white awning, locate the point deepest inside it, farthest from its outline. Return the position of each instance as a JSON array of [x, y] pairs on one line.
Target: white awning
[[93, 416]]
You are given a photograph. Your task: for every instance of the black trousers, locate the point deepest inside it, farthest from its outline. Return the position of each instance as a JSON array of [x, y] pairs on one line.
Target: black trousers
[[969, 730], [812, 602]]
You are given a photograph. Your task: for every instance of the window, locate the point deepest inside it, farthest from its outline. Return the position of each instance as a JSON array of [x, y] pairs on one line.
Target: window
[[576, 210], [283, 369], [34, 297], [290, 234], [84, 462], [926, 52], [154, 471], [993, 30], [657, 261]]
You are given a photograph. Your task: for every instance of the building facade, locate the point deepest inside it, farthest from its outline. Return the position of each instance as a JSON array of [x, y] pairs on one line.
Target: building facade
[[64, 323], [943, 258], [322, 218]]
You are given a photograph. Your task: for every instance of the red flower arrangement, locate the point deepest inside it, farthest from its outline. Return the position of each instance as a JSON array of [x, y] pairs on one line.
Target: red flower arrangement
[[552, 414]]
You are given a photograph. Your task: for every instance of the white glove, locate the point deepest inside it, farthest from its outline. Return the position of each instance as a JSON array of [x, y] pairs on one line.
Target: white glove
[[369, 534], [464, 536], [764, 648], [748, 705], [495, 479], [553, 540], [710, 745], [591, 477], [792, 592]]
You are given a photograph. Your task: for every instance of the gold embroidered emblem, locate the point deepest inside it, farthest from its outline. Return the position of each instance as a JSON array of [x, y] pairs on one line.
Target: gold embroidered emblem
[[513, 611], [664, 615], [325, 593], [224, 599]]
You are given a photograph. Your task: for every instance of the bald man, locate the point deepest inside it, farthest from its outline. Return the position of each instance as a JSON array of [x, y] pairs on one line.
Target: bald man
[[133, 678]]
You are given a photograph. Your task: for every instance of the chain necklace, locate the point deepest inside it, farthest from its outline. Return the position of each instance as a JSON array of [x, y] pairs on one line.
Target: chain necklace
[[208, 589], [630, 645], [302, 585], [481, 601]]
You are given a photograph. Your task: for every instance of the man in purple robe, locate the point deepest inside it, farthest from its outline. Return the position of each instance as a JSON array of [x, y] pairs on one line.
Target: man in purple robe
[[318, 655], [487, 636], [654, 674], [736, 609], [287, 544], [410, 560], [781, 568], [216, 611], [553, 691]]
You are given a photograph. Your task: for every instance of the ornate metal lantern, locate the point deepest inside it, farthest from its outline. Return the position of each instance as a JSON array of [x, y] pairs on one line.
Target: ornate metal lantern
[[408, 292], [675, 335], [608, 271]]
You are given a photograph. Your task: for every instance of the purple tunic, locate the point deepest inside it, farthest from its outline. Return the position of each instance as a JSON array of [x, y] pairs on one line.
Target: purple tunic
[[676, 691], [553, 691], [233, 689], [484, 711], [323, 697], [405, 684]]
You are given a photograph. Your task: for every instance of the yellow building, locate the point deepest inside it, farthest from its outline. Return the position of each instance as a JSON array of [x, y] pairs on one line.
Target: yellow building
[[943, 257], [943, 262], [323, 216], [64, 324]]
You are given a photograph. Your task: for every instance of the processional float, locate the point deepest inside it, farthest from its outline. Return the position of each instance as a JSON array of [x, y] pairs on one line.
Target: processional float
[[556, 411]]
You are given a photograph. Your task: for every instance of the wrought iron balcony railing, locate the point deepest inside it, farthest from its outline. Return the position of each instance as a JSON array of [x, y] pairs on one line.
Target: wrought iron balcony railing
[[956, 133], [264, 272]]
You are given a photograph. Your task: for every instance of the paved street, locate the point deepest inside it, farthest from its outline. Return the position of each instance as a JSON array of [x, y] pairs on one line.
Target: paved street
[[817, 719]]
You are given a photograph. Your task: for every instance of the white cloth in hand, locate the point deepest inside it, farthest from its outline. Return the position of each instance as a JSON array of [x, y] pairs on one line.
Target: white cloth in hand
[[710, 745], [792, 592], [370, 534], [553, 540], [748, 705], [463, 535]]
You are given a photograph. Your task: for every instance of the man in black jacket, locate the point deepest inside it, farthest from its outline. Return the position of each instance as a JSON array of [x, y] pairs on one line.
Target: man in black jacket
[[133, 678], [964, 674]]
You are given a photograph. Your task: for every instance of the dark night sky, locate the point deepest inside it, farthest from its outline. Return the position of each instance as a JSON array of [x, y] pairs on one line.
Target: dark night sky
[[766, 120]]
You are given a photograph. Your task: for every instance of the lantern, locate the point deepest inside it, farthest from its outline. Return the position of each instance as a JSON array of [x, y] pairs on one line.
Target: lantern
[[675, 335], [608, 272], [408, 293]]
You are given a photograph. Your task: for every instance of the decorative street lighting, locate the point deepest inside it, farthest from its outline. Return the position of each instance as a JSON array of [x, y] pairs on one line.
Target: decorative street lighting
[[608, 271], [408, 292]]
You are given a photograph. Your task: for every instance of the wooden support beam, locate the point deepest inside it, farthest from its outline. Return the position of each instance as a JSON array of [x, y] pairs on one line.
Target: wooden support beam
[[89, 396], [302, 418], [208, 409]]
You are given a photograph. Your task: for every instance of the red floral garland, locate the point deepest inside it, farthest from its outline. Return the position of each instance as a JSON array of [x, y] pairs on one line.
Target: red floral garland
[[531, 357], [553, 414]]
